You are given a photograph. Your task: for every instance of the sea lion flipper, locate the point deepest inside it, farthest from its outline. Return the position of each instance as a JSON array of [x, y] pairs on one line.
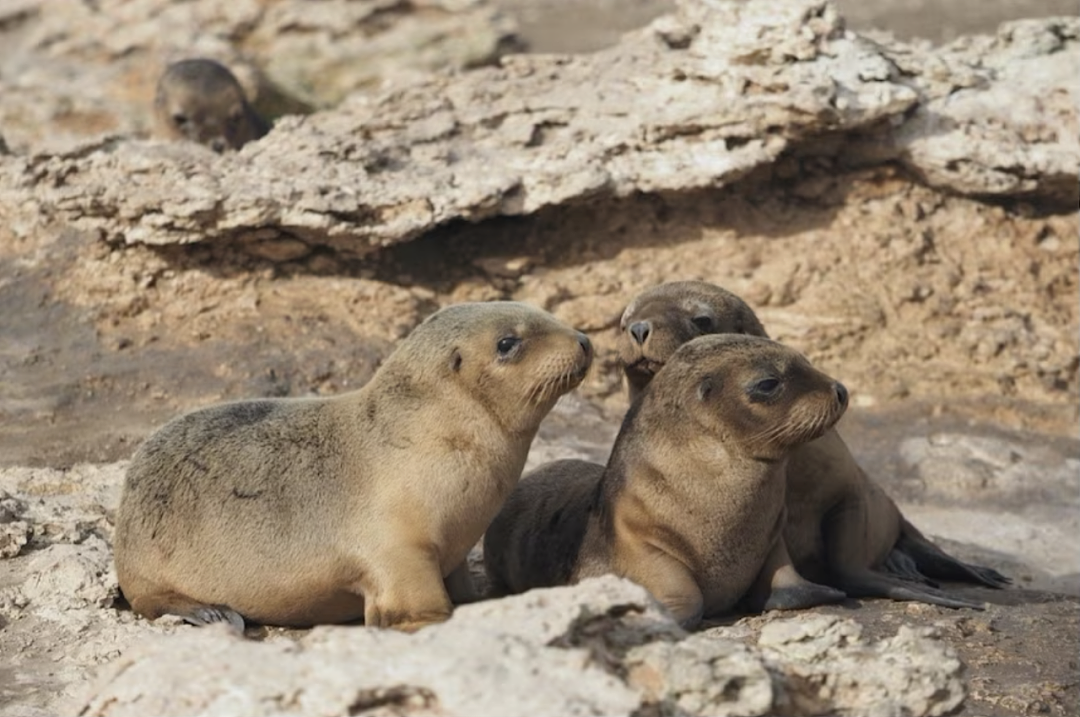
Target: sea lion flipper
[[460, 586], [191, 611], [899, 563], [668, 579], [408, 594], [868, 583], [846, 530], [780, 587], [935, 562], [209, 614]]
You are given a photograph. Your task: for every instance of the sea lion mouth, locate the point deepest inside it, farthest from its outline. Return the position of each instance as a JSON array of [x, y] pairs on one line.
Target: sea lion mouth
[[644, 367]]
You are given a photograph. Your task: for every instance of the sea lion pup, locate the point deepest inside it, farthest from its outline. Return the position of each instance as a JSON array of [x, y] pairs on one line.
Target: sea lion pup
[[691, 503], [200, 100], [842, 529], [325, 510]]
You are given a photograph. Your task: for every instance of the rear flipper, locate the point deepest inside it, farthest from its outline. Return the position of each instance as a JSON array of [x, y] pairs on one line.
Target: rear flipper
[[902, 565], [191, 611], [867, 583], [936, 563]]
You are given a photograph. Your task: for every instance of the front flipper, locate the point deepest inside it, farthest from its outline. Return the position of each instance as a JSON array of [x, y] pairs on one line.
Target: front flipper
[[780, 587], [191, 611], [408, 593], [668, 579], [215, 613], [936, 563]]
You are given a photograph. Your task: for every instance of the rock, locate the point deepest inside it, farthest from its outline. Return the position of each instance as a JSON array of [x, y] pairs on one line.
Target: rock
[[65, 577], [601, 647], [827, 668], [488, 657], [703, 675], [78, 69], [1000, 115], [740, 85], [14, 534]]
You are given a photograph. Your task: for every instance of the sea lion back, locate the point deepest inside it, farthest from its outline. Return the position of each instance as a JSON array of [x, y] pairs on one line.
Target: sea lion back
[[536, 538]]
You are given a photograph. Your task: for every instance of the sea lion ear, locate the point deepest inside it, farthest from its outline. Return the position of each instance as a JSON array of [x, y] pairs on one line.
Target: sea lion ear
[[455, 360], [704, 389]]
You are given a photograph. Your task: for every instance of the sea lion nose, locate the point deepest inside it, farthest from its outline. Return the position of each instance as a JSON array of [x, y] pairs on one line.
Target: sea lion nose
[[584, 343], [841, 393], [218, 144], [640, 331]]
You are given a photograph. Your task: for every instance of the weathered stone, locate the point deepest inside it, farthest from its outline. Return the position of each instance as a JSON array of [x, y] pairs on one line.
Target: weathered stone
[[1000, 116], [601, 647], [489, 658], [738, 86], [76, 69], [827, 668], [14, 534]]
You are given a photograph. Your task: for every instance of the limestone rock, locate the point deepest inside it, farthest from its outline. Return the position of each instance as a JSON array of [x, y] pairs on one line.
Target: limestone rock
[[601, 647], [14, 532], [699, 99], [68, 576], [828, 669], [1000, 116], [489, 658], [75, 69]]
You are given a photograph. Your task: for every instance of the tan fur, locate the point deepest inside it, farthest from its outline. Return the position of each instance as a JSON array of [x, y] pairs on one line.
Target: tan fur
[[841, 529], [201, 101], [323, 510], [691, 503]]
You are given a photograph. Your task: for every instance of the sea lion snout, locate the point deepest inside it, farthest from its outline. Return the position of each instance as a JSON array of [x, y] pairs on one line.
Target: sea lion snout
[[841, 394], [585, 344], [585, 358]]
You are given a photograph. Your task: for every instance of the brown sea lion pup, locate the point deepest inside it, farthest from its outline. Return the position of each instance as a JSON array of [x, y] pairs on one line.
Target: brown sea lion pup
[[842, 529], [325, 510], [200, 100], [691, 503]]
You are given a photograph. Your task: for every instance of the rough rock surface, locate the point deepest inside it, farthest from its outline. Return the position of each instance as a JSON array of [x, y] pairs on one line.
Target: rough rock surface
[[1004, 125], [59, 623], [698, 99], [71, 69], [602, 647]]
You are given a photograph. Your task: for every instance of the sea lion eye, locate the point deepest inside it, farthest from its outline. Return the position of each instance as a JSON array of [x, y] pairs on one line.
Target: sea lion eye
[[179, 120], [765, 387], [703, 323], [506, 345]]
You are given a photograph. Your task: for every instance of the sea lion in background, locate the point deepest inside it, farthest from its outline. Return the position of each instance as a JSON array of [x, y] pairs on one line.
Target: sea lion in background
[[691, 502], [842, 529], [323, 510], [200, 100]]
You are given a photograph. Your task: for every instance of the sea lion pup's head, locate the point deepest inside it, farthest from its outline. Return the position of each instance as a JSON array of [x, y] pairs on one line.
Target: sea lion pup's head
[[661, 319], [759, 396], [200, 100], [514, 358]]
